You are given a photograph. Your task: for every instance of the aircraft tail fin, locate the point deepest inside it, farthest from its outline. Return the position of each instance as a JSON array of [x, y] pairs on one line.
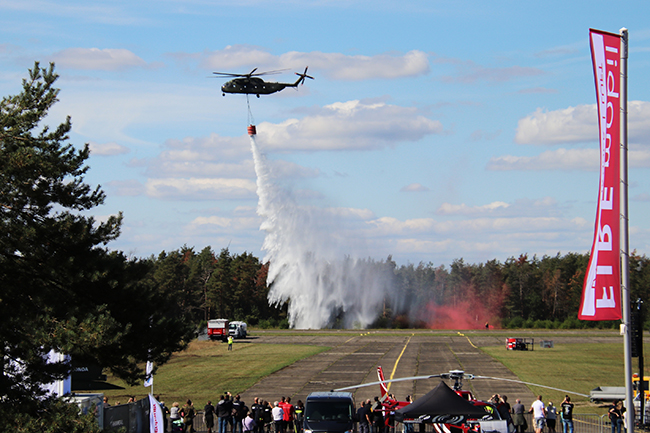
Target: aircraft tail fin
[[302, 76], [382, 385]]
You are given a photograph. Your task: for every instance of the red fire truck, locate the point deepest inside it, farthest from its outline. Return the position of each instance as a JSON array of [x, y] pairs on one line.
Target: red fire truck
[[218, 329]]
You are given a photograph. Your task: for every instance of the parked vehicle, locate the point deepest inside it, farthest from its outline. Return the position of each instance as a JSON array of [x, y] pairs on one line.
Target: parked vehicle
[[237, 329], [330, 412], [218, 329]]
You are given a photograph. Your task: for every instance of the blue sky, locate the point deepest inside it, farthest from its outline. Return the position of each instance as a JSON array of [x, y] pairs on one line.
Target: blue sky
[[434, 130]]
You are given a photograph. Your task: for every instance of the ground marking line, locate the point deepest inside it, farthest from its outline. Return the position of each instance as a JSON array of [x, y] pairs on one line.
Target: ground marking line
[[392, 374], [470, 341]]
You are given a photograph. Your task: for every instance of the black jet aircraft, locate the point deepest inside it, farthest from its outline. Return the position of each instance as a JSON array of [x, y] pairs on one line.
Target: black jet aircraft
[[251, 84]]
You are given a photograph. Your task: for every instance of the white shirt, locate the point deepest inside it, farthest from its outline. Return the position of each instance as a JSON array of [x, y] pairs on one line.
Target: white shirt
[[538, 409], [278, 413]]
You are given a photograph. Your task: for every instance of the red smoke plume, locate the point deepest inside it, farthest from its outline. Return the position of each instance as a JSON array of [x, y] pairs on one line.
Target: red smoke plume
[[462, 315]]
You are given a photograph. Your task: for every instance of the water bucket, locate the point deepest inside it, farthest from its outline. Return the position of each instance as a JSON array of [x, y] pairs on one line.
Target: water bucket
[[252, 130]]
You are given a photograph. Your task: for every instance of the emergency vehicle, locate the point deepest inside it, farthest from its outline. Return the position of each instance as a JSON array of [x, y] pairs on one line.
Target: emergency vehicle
[[218, 329]]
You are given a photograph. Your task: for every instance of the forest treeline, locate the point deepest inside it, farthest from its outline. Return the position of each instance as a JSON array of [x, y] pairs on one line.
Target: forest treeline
[[523, 291]]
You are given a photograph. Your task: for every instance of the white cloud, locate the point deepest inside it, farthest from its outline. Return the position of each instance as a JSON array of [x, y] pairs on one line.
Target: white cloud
[[479, 238], [200, 189], [349, 125], [123, 188], [107, 149], [563, 159], [216, 157], [569, 125], [543, 207], [109, 59], [560, 159], [463, 209], [333, 65], [579, 124]]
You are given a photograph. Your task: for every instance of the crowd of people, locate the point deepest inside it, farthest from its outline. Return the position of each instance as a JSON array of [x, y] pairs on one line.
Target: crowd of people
[[375, 417], [232, 415], [544, 416]]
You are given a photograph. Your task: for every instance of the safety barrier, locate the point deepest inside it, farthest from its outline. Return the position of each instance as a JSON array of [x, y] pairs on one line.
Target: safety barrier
[[582, 423]]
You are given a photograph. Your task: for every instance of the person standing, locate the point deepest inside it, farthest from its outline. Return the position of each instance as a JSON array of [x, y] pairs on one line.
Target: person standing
[[363, 415], [230, 342], [287, 417], [616, 416], [224, 413], [518, 418], [268, 416], [408, 427], [208, 416], [378, 420], [174, 412], [539, 414], [164, 410], [256, 413], [299, 416], [551, 416], [237, 413], [376, 417], [188, 417], [278, 417], [248, 424], [567, 415]]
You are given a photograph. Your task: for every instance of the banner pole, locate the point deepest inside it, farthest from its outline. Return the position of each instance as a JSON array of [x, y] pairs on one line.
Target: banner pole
[[625, 242]]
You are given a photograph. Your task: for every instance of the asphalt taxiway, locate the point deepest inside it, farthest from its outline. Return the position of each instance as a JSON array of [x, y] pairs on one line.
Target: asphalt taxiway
[[353, 358]]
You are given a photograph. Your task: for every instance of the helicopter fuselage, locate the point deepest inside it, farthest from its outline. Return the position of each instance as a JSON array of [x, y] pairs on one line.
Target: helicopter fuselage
[[254, 86]]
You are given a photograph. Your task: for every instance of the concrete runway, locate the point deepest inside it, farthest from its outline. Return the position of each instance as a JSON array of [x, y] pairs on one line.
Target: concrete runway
[[354, 357]]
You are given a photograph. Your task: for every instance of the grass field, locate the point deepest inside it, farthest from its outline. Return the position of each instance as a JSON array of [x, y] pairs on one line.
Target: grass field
[[185, 375], [576, 367], [573, 367]]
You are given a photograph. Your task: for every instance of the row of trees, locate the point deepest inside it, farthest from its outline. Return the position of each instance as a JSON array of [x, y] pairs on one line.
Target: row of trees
[[208, 286], [520, 292]]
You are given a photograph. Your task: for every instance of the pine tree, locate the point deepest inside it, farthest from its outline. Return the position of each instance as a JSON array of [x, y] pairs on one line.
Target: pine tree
[[61, 289]]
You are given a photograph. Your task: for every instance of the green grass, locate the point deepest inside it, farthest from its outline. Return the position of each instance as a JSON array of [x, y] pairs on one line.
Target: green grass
[[573, 367], [206, 369]]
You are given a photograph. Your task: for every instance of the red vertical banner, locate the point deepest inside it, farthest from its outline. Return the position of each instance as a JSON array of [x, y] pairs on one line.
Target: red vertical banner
[[601, 293]]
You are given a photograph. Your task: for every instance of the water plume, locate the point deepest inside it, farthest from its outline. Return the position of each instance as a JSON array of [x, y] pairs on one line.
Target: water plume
[[310, 262]]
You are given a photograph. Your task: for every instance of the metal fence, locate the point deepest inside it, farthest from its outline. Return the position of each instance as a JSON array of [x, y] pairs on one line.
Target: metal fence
[[582, 423]]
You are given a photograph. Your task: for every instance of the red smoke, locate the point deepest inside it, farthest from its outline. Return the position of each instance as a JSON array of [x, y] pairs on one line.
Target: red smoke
[[462, 315]]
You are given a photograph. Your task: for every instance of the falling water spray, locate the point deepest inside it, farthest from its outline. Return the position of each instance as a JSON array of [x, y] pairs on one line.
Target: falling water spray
[[310, 261]]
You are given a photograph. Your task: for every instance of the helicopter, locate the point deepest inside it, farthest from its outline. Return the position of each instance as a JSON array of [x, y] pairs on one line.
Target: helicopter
[[490, 410], [251, 84]]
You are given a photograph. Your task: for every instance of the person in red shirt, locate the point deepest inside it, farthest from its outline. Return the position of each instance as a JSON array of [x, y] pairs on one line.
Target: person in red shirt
[[287, 407]]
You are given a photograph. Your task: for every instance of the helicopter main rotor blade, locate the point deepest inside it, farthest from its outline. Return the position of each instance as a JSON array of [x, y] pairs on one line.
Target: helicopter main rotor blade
[[363, 385], [466, 376], [250, 74], [228, 74], [532, 384]]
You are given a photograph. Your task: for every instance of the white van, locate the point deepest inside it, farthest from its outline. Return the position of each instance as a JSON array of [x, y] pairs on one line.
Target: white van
[[237, 329]]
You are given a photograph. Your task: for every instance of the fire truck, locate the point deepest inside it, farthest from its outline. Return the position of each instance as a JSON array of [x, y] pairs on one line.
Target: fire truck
[[218, 329]]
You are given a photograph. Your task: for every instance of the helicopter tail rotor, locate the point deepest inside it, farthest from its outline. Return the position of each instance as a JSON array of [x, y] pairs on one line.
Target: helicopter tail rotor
[[302, 76]]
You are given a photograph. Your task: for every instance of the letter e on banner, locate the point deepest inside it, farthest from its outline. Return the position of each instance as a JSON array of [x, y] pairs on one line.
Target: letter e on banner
[[601, 293]]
